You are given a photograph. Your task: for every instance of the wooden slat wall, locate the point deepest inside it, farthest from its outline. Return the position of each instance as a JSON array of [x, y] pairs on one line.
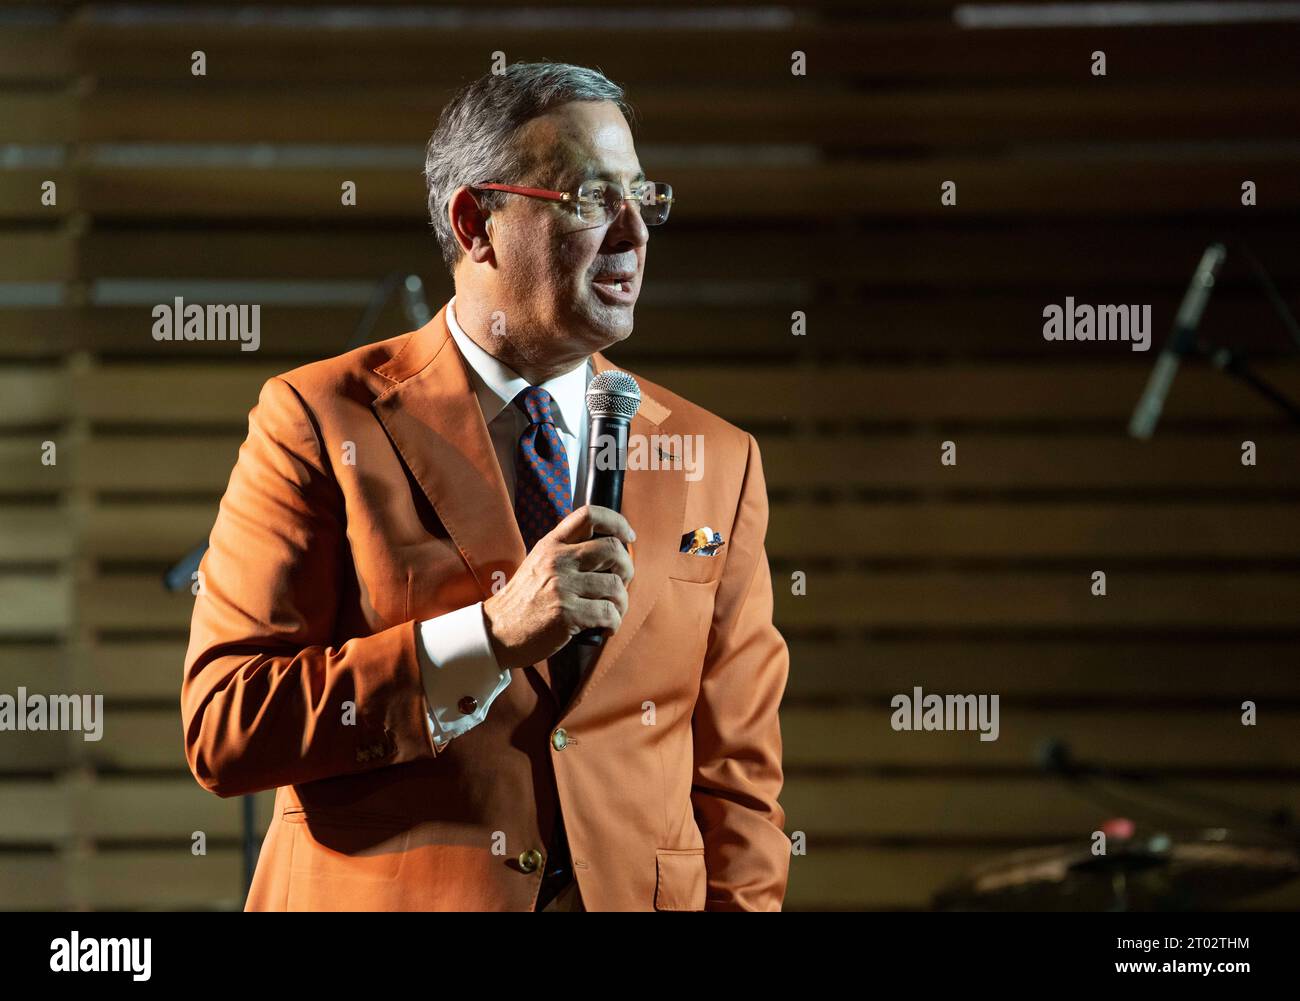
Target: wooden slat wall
[[816, 193]]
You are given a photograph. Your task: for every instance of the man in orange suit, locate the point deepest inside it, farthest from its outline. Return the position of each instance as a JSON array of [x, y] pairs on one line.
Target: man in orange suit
[[383, 624]]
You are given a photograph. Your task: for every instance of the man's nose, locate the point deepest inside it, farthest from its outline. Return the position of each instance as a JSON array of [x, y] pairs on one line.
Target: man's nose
[[628, 228]]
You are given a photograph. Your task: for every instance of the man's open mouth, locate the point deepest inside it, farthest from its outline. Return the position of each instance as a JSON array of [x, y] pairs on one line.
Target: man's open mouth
[[615, 288], [615, 282]]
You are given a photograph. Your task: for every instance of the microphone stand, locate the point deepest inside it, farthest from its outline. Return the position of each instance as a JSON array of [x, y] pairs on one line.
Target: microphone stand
[[1233, 362], [181, 574]]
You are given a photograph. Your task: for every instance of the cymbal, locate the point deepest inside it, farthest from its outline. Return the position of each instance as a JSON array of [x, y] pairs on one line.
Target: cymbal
[[1156, 872]]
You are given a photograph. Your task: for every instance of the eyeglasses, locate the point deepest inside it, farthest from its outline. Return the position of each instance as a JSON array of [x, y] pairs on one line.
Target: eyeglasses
[[598, 202]]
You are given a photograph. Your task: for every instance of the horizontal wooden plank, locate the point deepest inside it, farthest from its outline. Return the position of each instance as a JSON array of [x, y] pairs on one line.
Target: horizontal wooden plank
[[1028, 601], [1033, 531], [1037, 670], [170, 392], [866, 530], [35, 534], [1078, 388], [33, 604], [38, 751], [1132, 737], [191, 464], [38, 255], [35, 53], [33, 395], [145, 669], [24, 473], [30, 663], [957, 327], [150, 879], [1063, 258], [861, 737], [39, 116], [854, 50], [1033, 808], [828, 115], [1014, 461], [887, 599], [22, 191], [122, 809], [1040, 670], [1008, 462], [986, 187], [134, 671], [36, 812], [133, 602], [160, 879], [34, 882]]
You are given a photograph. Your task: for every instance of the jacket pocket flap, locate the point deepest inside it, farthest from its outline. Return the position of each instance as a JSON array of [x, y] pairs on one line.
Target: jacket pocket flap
[[682, 880]]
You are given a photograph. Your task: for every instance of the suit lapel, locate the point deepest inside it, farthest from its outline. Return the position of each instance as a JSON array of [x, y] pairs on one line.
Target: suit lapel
[[434, 420]]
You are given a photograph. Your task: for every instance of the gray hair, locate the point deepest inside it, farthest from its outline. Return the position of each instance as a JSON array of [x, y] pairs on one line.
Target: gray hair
[[473, 142]]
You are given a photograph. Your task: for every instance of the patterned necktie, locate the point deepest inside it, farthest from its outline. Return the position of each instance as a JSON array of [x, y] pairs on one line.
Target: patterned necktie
[[543, 496]]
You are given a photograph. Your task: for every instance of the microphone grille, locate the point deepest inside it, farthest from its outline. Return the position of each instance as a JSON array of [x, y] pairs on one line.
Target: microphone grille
[[613, 394]]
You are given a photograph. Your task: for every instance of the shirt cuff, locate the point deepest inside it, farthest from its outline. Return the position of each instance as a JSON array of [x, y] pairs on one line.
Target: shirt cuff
[[460, 671]]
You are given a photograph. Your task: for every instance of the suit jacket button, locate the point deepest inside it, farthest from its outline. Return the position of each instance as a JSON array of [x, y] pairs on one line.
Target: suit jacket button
[[467, 704], [560, 739], [530, 860]]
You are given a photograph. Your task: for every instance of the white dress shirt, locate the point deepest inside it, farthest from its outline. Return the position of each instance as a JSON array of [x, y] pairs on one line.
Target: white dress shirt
[[456, 652]]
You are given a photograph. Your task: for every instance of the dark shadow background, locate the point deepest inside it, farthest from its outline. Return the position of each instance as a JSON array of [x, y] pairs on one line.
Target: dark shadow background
[[816, 194]]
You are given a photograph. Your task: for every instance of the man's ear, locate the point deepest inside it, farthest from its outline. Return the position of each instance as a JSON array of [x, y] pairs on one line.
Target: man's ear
[[471, 226]]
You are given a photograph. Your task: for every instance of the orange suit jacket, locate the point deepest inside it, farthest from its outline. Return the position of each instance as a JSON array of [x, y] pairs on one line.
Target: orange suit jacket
[[366, 498]]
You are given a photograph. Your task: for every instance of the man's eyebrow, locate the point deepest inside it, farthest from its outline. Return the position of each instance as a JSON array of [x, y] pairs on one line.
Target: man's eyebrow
[[593, 173]]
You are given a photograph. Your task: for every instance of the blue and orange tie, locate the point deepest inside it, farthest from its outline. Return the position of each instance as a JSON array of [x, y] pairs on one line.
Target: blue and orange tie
[[543, 495]]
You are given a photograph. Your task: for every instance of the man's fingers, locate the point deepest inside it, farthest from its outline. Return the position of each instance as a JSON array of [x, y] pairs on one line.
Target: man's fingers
[[604, 554], [597, 613], [602, 585], [592, 520]]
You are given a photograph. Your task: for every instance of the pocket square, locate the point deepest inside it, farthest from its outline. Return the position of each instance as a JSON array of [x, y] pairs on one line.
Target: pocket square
[[702, 542]]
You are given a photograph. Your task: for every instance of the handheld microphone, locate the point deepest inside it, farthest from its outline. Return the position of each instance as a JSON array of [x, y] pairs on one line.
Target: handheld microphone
[[613, 399], [1180, 343]]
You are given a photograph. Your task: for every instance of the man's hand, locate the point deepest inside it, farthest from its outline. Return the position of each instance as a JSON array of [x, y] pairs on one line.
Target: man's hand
[[571, 581]]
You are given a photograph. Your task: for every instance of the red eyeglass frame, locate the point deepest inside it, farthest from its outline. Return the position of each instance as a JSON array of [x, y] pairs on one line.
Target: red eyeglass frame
[[554, 196], [517, 189]]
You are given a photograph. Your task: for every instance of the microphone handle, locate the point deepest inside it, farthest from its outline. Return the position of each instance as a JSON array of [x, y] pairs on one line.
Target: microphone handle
[[606, 462]]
